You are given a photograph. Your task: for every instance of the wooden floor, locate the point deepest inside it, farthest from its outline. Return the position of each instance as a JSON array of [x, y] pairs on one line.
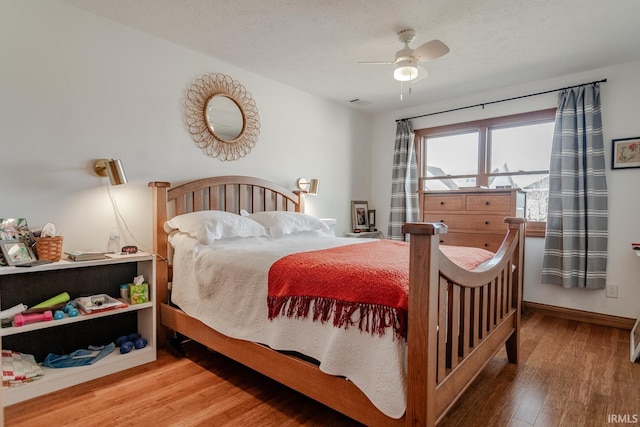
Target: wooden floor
[[572, 374]]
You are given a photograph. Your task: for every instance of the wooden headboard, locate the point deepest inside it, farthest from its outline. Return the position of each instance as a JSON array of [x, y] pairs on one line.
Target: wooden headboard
[[226, 193]]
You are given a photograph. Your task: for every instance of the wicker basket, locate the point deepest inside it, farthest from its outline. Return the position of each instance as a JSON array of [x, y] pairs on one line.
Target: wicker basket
[[49, 248]]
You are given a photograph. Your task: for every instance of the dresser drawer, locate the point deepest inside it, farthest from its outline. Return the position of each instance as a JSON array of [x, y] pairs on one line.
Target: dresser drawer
[[436, 202], [490, 242], [497, 203], [468, 222]]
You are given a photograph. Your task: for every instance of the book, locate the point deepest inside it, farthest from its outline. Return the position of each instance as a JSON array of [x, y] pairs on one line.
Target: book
[[85, 255], [120, 255]]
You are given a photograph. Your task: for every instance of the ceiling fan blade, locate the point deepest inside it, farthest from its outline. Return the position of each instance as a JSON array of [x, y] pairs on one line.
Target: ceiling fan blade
[[430, 50]]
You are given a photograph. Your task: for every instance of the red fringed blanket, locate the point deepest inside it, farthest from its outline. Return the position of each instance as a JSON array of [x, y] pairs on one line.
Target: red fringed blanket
[[363, 284]]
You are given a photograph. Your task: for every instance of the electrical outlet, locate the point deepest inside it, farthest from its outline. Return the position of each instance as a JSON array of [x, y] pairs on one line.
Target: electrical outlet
[[612, 290]]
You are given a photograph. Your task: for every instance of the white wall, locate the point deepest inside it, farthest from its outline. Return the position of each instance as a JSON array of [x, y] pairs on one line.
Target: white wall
[[620, 113], [75, 87]]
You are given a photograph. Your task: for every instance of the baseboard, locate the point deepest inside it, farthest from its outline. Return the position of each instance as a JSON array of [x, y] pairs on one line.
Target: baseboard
[[581, 316]]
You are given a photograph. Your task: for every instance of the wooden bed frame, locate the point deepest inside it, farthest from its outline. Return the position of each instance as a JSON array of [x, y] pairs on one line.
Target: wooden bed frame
[[458, 319]]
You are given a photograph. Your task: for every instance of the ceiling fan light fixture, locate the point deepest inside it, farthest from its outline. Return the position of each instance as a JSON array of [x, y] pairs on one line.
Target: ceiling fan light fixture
[[405, 71]]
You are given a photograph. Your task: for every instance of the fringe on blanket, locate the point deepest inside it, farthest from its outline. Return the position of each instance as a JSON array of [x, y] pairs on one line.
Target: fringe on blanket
[[371, 318]]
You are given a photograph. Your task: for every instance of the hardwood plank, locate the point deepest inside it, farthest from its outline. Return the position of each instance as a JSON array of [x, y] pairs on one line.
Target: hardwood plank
[[570, 374]]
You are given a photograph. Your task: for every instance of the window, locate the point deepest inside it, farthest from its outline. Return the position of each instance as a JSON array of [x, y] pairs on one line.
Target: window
[[510, 151]]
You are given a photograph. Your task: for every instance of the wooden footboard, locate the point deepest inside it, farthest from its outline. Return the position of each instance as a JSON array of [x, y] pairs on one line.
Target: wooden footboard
[[457, 319], [460, 317]]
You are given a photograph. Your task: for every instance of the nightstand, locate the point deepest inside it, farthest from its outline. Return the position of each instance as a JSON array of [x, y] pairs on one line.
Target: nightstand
[[367, 235]]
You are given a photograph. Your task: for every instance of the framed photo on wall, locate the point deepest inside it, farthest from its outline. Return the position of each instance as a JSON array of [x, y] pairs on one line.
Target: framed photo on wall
[[625, 153], [359, 215], [16, 252]]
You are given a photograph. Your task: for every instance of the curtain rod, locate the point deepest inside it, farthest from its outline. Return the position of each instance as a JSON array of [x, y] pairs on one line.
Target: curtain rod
[[503, 100]]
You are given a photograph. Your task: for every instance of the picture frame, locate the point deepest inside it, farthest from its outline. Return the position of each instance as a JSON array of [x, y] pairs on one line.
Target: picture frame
[[359, 215], [635, 341], [14, 229], [16, 252], [372, 219], [625, 153]]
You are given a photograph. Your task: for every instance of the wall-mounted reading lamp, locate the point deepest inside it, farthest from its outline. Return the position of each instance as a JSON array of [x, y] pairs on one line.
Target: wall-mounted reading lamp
[[111, 168], [309, 187]]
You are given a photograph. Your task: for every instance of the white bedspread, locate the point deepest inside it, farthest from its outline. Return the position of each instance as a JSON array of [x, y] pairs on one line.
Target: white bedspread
[[225, 286]]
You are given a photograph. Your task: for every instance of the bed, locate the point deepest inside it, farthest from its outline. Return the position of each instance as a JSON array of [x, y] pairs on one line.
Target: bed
[[456, 318]]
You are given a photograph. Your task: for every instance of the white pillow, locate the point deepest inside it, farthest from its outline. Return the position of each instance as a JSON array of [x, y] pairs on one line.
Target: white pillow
[[281, 223], [208, 226]]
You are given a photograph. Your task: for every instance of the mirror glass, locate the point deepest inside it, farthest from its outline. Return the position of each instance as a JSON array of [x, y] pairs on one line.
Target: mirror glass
[[224, 117]]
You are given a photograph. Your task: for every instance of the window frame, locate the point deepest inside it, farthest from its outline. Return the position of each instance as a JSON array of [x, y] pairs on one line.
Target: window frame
[[483, 128]]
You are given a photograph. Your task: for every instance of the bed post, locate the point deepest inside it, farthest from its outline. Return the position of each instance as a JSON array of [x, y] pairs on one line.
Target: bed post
[[513, 343], [160, 249], [423, 322], [301, 198]]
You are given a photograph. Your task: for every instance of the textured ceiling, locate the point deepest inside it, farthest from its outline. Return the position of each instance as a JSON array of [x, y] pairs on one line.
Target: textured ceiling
[[314, 45]]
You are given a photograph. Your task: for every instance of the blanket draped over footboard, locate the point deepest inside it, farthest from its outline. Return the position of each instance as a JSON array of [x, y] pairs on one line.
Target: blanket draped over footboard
[[364, 285]]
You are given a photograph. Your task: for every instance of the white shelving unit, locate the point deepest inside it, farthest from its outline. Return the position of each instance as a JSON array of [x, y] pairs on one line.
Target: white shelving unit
[[98, 281]]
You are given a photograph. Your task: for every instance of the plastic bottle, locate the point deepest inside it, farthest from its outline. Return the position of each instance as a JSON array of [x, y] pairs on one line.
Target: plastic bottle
[[124, 292], [114, 241]]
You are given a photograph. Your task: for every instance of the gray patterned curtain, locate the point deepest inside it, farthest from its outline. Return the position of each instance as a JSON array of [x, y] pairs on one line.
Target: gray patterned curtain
[[404, 187], [575, 253]]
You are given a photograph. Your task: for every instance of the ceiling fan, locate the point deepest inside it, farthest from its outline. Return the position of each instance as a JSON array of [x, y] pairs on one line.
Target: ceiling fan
[[407, 68]]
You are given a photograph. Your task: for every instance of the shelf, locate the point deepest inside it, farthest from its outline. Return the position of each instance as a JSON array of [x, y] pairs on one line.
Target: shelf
[[4, 332], [58, 336], [67, 264], [56, 379]]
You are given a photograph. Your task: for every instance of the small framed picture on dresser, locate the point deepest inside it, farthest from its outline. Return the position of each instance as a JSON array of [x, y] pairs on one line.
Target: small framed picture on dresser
[[359, 215], [372, 219], [16, 252]]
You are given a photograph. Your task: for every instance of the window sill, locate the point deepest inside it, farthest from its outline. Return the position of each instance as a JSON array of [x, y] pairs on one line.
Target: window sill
[[536, 229]]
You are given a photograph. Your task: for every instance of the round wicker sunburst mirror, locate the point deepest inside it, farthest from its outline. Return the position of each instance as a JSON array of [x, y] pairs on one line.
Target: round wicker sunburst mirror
[[222, 117]]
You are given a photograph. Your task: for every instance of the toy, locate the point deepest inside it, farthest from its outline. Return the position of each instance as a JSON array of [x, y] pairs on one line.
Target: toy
[[126, 347], [121, 340], [71, 309], [58, 299], [58, 315], [140, 343], [23, 319], [10, 312], [130, 342]]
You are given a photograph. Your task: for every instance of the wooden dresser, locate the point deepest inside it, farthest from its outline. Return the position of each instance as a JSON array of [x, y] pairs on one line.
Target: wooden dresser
[[475, 217]]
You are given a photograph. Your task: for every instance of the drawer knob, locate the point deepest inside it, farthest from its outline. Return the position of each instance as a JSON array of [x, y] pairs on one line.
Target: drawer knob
[[442, 220], [441, 241], [442, 203], [486, 245], [487, 203], [486, 223]]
